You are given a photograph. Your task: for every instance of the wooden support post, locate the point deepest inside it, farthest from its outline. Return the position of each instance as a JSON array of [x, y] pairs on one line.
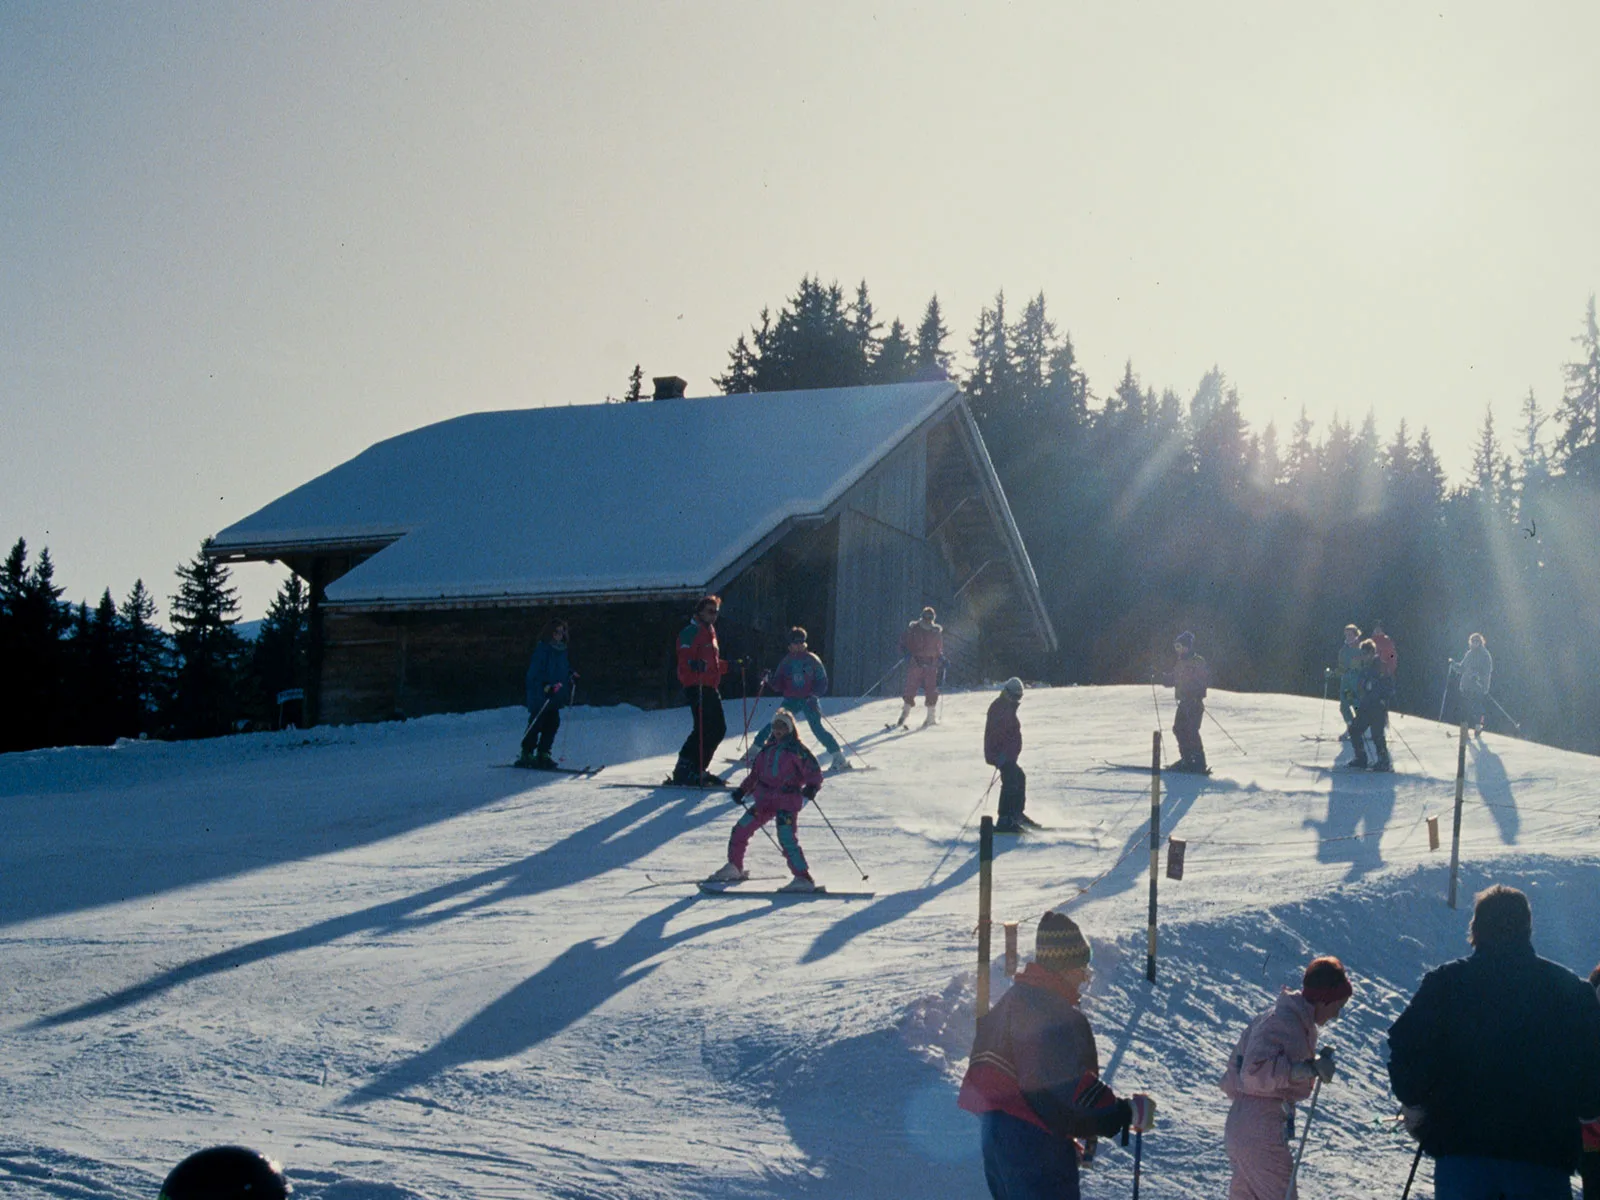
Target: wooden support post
[[1461, 791], [985, 885], [1155, 848], [1011, 949]]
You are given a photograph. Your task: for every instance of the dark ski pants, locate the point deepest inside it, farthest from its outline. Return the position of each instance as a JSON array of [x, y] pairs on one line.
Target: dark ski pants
[[1465, 1177], [1023, 1162], [710, 727], [542, 730], [1474, 708], [1373, 720], [1186, 728], [1013, 792]]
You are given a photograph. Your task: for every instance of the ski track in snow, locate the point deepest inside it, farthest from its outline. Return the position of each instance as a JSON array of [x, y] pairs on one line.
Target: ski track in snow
[[405, 974]]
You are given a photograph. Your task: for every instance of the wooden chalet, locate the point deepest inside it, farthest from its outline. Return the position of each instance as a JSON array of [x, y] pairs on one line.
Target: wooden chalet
[[433, 558]]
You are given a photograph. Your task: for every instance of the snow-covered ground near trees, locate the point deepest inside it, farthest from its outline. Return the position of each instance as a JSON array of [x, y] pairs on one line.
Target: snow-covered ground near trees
[[404, 972]]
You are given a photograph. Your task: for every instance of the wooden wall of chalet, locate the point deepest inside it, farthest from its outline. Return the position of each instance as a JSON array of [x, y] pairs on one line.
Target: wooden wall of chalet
[[378, 666]]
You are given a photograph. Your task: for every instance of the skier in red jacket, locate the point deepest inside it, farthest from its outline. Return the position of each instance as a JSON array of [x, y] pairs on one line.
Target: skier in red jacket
[[1034, 1076], [700, 671], [923, 645]]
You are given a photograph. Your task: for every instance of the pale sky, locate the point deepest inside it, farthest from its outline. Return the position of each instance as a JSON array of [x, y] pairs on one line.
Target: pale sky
[[241, 242]]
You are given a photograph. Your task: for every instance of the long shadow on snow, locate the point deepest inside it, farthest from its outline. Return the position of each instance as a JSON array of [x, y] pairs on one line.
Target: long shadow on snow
[[884, 912], [85, 836], [1494, 786], [589, 852], [1179, 792], [870, 1115], [580, 979], [1356, 800]]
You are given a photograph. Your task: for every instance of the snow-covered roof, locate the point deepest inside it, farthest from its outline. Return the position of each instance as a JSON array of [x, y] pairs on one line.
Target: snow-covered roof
[[654, 497]]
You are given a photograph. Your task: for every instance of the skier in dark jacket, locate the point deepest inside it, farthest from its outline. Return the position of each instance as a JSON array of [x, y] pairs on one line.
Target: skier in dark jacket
[[548, 687], [700, 671], [1189, 679], [1374, 694], [1002, 744], [1034, 1075], [1497, 1062]]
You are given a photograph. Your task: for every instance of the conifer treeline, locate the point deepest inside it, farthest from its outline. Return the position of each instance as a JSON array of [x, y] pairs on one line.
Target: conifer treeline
[[1146, 512], [81, 676]]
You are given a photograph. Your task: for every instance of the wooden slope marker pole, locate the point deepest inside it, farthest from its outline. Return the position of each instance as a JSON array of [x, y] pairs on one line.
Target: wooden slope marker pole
[[1155, 848], [1461, 788], [985, 884]]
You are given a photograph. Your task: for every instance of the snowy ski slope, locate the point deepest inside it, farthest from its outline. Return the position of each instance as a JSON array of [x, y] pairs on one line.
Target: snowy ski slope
[[404, 972]]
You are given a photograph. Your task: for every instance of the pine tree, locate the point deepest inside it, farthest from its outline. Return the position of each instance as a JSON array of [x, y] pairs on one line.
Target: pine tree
[[740, 376], [143, 665], [100, 685], [278, 658], [635, 391], [1488, 463], [931, 335], [1577, 446], [37, 623], [894, 364], [205, 700]]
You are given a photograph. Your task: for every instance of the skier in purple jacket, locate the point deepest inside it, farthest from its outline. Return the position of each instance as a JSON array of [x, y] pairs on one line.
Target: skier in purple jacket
[[801, 679]]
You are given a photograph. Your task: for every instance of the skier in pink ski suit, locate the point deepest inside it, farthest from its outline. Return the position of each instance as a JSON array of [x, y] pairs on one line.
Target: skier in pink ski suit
[[1271, 1070]]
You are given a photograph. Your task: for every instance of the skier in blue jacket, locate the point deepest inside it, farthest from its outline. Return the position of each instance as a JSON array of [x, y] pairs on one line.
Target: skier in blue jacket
[[801, 679], [548, 687]]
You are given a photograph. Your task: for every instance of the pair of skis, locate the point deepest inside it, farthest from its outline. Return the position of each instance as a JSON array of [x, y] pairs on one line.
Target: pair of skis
[[585, 772]]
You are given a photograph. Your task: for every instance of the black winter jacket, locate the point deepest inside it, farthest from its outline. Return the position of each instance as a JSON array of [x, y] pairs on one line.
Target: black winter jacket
[[1502, 1051]]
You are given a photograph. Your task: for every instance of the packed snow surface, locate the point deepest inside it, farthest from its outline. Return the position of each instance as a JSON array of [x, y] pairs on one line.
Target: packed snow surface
[[404, 972]]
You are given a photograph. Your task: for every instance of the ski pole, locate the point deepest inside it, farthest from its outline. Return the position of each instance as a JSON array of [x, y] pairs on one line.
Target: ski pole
[[839, 733], [739, 800], [1414, 1161], [882, 677], [534, 720], [1138, 1155], [1226, 734], [1515, 724], [835, 832], [1304, 1136], [960, 833]]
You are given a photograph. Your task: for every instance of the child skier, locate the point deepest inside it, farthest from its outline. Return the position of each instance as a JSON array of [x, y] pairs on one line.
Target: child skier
[[548, 689], [783, 777], [1034, 1075], [1002, 743], [1189, 679], [923, 645], [1270, 1071], [801, 679]]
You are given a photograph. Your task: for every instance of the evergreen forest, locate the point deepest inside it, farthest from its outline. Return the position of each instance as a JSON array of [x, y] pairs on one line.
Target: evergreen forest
[[1145, 512]]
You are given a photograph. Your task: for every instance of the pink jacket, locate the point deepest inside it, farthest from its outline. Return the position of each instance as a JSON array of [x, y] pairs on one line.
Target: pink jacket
[[784, 775], [1272, 1043]]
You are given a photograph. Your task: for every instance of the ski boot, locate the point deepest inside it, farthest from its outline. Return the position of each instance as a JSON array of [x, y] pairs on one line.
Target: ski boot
[[1028, 822], [728, 873], [840, 762], [801, 883], [931, 719], [905, 712]]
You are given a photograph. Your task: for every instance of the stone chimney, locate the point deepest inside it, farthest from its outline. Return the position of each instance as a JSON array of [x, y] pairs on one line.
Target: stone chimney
[[668, 387]]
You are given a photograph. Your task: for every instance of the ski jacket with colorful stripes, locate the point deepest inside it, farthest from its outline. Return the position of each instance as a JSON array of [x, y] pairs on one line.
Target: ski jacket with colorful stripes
[[1034, 1057], [1002, 732], [923, 644], [799, 676], [784, 775], [700, 661]]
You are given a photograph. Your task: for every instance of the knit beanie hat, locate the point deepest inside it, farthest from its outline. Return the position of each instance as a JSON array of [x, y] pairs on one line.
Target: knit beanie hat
[[1012, 687], [1325, 981], [1060, 945]]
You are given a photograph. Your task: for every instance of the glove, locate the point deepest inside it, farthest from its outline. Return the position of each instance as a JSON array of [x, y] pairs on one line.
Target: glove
[[1324, 1065], [1413, 1116], [766, 679], [697, 665], [809, 792], [1303, 1072], [1144, 1113]]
